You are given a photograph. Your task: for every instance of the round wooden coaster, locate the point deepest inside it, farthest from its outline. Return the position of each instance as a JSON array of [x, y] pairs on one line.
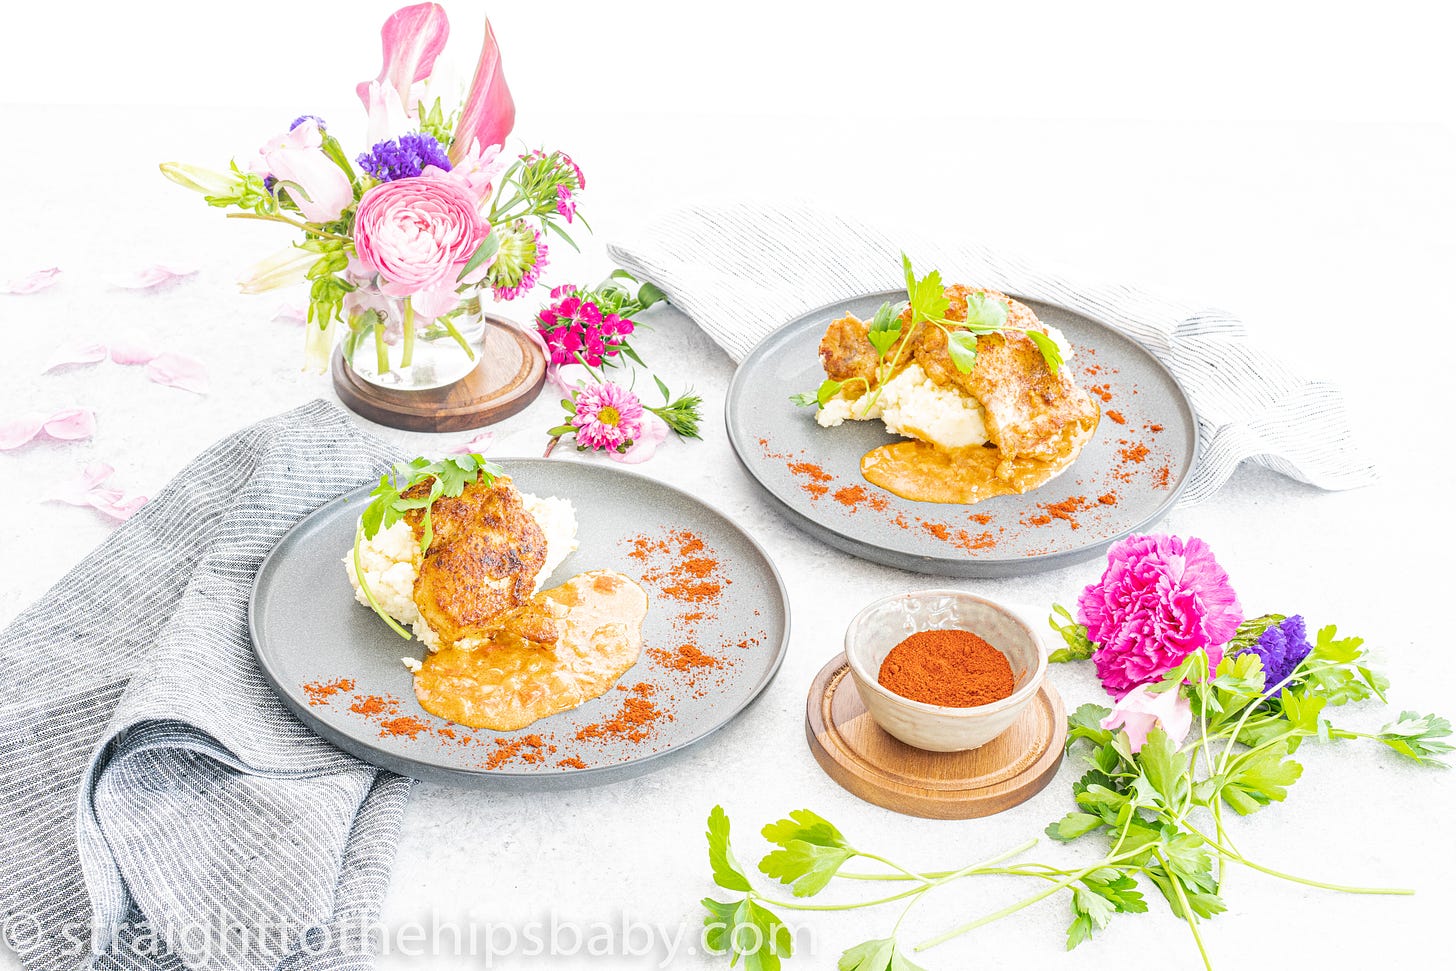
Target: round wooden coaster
[[881, 769], [509, 376]]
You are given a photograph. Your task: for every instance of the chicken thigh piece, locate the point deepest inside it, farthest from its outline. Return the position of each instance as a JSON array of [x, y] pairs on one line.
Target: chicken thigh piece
[[482, 561]]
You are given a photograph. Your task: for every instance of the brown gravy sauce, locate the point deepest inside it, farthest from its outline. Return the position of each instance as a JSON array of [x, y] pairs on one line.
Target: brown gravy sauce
[[512, 683], [925, 472]]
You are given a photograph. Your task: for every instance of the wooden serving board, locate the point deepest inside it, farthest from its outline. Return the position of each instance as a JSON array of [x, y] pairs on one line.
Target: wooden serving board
[[881, 769], [509, 376]]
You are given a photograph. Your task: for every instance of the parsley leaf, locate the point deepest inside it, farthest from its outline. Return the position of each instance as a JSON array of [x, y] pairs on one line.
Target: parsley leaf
[[748, 930], [883, 954], [1260, 779], [1074, 825], [726, 871], [985, 312], [1050, 352], [961, 344], [885, 327], [1414, 736], [1165, 768], [811, 850], [819, 397]]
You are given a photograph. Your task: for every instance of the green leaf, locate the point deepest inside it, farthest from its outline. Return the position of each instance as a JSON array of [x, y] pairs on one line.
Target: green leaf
[[1118, 887], [1050, 352], [827, 390], [805, 825], [488, 247], [726, 871], [1259, 780], [805, 399], [808, 866], [1079, 647], [1086, 723], [985, 312], [649, 294], [883, 954], [1074, 825], [666, 395], [885, 328], [1414, 736], [1080, 930], [927, 295], [962, 347], [1165, 768]]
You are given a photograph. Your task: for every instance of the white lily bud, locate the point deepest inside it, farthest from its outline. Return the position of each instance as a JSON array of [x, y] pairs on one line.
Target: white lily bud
[[282, 269]]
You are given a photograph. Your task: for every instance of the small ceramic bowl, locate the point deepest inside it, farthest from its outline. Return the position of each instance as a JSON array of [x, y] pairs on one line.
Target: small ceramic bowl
[[885, 623]]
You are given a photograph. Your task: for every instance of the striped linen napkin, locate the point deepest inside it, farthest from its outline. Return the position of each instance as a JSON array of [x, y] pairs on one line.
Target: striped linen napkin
[[740, 271], [159, 807]]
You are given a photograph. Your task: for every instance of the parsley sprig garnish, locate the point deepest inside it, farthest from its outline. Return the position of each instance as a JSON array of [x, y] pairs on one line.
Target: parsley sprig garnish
[[1152, 808], [928, 305], [447, 477]]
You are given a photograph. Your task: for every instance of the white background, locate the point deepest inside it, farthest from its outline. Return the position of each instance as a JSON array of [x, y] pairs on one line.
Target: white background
[[1291, 162]]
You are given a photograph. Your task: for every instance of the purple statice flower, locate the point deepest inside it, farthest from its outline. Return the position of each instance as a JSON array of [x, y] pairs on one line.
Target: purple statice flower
[[1281, 648], [404, 157], [303, 118]]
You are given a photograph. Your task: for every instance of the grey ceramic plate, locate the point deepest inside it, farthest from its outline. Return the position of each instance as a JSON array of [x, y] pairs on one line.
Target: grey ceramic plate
[[1139, 465], [308, 630]]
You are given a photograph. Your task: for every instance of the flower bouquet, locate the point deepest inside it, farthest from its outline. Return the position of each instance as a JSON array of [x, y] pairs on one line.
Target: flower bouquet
[[404, 243], [1173, 648]]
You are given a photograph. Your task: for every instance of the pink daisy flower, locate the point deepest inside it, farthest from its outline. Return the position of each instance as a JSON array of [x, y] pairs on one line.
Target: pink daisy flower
[[608, 416]]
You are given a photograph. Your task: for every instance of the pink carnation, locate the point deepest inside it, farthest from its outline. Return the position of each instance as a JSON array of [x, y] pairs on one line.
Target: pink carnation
[[418, 234], [1160, 599]]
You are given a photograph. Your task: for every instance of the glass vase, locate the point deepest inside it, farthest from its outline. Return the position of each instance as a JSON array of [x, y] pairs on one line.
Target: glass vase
[[394, 347]]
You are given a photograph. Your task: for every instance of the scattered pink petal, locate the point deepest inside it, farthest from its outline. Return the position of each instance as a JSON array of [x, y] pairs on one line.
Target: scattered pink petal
[[114, 505], [179, 371], [477, 444], [654, 433], [74, 354], [567, 378], [126, 353], [17, 431], [66, 425], [71, 424], [88, 491], [291, 313], [78, 493], [150, 277], [31, 282]]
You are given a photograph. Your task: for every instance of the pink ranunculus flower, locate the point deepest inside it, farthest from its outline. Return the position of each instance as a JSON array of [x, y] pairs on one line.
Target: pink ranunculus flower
[[418, 234], [1159, 600], [1141, 710], [297, 156]]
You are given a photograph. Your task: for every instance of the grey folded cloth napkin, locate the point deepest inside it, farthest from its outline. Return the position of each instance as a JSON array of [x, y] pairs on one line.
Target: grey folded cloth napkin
[[740, 271], [159, 808]]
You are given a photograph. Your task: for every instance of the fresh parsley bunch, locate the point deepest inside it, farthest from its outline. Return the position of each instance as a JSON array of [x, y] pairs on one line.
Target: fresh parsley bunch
[[447, 477], [928, 305], [1158, 811]]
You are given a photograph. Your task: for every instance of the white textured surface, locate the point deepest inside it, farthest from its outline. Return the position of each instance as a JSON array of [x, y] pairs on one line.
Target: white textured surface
[[1322, 237]]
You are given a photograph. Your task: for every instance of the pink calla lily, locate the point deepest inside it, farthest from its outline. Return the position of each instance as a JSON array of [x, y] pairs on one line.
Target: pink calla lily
[[489, 113], [413, 37]]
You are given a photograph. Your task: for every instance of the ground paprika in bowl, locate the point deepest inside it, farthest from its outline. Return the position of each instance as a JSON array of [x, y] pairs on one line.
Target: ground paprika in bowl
[[944, 670]]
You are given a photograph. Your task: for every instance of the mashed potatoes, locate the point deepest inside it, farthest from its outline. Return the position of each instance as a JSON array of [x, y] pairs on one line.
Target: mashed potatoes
[[912, 405], [391, 562]]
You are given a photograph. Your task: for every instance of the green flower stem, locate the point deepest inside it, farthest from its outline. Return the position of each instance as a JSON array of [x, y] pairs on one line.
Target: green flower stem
[[291, 222], [908, 874], [364, 585], [1340, 888], [1010, 909], [904, 343], [791, 905], [459, 338], [407, 354], [1187, 911], [381, 350], [600, 376]]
